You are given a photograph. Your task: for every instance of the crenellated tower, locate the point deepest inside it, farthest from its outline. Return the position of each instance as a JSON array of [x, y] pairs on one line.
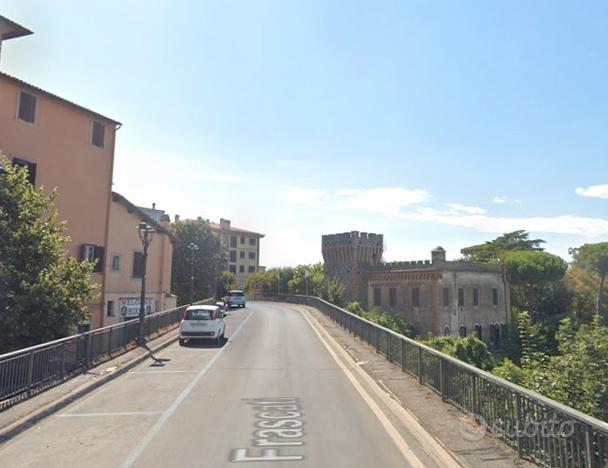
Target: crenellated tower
[[347, 256]]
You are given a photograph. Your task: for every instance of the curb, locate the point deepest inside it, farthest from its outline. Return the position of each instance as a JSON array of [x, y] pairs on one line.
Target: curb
[[27, 422]]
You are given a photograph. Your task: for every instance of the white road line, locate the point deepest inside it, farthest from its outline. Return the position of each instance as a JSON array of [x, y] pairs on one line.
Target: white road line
[[126, 413], [154, 430], [164, 372], [431, 446]]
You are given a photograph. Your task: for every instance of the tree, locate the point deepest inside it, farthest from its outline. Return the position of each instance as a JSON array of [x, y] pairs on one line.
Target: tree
[[43, 291], [226, 282], [209, 260], [594, 257], [491, 251], [469, 349]]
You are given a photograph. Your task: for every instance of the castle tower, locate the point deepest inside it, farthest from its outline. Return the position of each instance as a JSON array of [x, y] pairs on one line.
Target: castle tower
[[347, 257]]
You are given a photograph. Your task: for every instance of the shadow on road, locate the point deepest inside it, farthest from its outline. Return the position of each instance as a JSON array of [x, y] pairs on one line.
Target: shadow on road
[[203, 344]]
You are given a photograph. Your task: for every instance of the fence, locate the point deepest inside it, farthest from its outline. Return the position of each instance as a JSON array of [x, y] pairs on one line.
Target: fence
[[28, 371], [542, 430]]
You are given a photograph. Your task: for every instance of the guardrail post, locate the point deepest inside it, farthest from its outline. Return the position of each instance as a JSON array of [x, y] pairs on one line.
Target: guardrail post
[[590, 454], [30, 373], [442, 378], [63, 351], [420, 379], [518, 424]]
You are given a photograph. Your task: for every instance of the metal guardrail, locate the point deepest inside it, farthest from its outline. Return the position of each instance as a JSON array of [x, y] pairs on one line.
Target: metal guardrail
[[542, 430], [29, 371]]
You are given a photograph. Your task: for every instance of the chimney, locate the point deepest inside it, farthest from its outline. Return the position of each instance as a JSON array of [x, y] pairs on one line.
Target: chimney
[[177, 218], [153, 206], [438, 255], [224, 223]]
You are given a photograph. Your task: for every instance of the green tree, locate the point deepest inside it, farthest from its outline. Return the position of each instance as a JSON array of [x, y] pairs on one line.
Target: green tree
[[209, 260], [226, 282], [492, 250], [42, 289], [594, 257], [469, 349]]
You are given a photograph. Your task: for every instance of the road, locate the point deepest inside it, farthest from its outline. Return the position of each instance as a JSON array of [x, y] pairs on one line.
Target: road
[[278, 393]]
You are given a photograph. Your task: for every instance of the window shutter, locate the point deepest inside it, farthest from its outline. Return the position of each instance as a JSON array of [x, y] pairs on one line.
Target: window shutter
[[138, 265], [99, 256], [27, 107]]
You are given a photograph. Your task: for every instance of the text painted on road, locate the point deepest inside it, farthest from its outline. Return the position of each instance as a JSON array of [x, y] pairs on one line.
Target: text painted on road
[[278, 425]]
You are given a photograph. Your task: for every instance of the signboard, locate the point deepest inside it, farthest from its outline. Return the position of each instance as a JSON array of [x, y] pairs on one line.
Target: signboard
[[129, 306]]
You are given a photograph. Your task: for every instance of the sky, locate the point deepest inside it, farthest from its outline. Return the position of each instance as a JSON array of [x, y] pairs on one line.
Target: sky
[[431, 122]]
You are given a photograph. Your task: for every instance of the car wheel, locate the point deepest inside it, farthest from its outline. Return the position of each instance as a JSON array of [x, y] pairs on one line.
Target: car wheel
[[182, 342]]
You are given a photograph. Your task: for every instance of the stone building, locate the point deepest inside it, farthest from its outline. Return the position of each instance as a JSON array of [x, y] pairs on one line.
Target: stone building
[[434, 296]]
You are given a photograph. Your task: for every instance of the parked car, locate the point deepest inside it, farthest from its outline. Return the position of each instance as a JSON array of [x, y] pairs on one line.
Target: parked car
[[202, 322], [235, 298]]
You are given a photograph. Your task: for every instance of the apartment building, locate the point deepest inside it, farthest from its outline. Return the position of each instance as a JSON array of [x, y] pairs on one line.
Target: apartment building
[[242, 249], [66, 147], [124, 263]]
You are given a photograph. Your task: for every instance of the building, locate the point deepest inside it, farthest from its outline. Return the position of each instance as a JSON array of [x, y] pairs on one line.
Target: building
[[242, 249], [66, 147], [434, 296], [124, 263]]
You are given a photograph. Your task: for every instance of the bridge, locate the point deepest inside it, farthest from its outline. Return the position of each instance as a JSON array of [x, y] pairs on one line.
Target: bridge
[[299, 382]]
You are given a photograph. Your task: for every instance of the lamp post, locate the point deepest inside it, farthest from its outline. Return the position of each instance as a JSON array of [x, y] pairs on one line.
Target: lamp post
[[146, 232], [193, 248]]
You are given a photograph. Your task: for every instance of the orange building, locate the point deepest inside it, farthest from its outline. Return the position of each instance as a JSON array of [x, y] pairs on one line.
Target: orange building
[[124, 262], [65, 147]]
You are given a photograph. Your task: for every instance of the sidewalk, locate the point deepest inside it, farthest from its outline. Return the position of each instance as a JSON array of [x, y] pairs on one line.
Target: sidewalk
[[444, 422]]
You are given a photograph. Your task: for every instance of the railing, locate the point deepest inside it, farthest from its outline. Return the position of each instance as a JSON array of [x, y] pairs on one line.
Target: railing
[[542, 430], [28, 371]]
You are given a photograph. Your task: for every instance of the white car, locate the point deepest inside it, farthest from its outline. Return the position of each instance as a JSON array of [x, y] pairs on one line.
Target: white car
[[235, 298], [202, 322]]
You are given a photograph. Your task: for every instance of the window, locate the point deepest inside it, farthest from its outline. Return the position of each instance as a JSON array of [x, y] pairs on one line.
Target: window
[[110, 309], [92, 253], [115, 263], [252, 241], [495, 296], [99, 134], [416, 297], [461, 297], [241, 254], [241, 268], [475, 296], [242, 240], [446, 330], [251, 269], [27, 107], [232, 268], [232, 241], [392, 297], [251, 255], [233, 255], [478, 331], [462, 331], [30, 166], [377, 296], [138, 265], [446, 297]]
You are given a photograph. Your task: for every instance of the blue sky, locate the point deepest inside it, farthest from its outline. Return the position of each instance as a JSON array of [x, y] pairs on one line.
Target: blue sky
[[432, 122]]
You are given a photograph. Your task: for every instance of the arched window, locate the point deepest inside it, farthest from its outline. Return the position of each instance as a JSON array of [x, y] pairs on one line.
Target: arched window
[[446, 330], [503, 330], [462, 331], [478, 330]]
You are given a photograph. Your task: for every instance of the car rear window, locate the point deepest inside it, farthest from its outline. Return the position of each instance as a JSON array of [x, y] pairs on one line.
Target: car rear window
[[199, 315], [236, 293]]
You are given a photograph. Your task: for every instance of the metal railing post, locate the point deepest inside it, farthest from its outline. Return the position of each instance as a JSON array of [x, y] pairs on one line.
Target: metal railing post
[[589, 452], [420, 379], [30, 373], [402, 355], [388, 347], [377, 340], [110, 343], [518, 424], [442, 378], [63, 351]]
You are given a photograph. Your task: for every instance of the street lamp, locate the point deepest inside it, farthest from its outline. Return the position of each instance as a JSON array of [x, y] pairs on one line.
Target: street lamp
[[146, 232], [193, 248]]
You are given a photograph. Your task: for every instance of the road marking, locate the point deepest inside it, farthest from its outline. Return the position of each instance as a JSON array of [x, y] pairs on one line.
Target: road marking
[[126, 413], [428, 442], [154, 430], [164, 372]]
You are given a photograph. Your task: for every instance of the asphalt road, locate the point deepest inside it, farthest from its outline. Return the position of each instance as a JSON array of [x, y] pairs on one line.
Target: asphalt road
[[277, 393]]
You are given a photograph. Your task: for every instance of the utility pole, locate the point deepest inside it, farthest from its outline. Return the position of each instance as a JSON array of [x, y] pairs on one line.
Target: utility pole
[[146, 233]]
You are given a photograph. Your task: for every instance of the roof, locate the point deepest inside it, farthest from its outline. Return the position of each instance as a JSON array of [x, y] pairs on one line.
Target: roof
[[11, 30], [117, 197], [217, 227], [58, 98]]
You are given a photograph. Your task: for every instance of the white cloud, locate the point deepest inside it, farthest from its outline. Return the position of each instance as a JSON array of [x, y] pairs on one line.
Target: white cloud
[[499, 200], [385, 200], [457, 208], [593, 191]]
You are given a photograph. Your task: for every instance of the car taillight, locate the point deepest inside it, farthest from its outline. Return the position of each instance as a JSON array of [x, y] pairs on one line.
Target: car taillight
[[213, 316], [185, 317]]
